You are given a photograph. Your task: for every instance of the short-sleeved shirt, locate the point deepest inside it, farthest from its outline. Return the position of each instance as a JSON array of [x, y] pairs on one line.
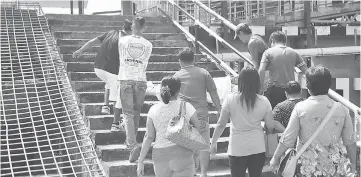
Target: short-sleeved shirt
[[247, 136], [282, 111], [195, 82], [281, 61], [134, 54], [160, 114], [256, 48], [108, 56]]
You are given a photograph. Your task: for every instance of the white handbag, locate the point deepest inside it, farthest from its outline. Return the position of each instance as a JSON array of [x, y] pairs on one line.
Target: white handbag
[[289, 161]]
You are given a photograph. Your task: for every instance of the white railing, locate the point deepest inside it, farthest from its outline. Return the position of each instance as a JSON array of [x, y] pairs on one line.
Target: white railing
[[174, 6], [246, 10]]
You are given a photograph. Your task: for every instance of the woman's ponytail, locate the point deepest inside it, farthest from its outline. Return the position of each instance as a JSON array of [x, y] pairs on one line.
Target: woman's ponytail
[[165, 94], [169, 87]]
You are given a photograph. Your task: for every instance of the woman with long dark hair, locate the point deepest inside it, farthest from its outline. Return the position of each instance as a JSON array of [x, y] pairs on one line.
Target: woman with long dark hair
[[169, 158], [246, 109]]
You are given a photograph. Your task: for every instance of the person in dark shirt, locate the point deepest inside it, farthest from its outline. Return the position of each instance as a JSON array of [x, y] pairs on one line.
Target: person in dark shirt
[[282, 111], [106, 65], [256, 45], [280, 61]]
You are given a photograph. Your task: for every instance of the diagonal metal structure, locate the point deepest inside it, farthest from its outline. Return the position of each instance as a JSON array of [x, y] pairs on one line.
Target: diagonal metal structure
[[42, 132]]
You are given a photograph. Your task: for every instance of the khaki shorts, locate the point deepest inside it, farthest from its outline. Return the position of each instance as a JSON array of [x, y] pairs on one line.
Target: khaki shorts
[[204, 129]]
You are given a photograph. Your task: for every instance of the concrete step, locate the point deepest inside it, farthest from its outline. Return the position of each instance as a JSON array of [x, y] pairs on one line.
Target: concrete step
[[70, 49], [156, 43], [104, 122], [117, 152], [102, 17], [125, 168], [157, 66], [153, 58], [95, 108], [218, 167], [105, 137], [151, 75], [52, 22], [160, 28], [92, 86], [91, 35], [98, 97]]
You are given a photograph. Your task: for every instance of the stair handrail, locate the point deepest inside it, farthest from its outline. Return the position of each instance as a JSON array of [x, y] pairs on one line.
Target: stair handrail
[[218, 61], [331, 93], [215, 35], [210, 11], [146, 9]]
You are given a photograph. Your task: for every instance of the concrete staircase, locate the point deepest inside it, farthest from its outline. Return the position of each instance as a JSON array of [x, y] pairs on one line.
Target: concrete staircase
[[72, 31]]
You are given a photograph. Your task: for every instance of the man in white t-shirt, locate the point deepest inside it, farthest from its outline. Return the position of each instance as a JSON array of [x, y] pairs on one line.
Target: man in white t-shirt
[[134, 54]]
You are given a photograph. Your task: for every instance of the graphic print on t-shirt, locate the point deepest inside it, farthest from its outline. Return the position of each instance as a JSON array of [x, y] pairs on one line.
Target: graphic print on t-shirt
[[136, 50], [134, 55]]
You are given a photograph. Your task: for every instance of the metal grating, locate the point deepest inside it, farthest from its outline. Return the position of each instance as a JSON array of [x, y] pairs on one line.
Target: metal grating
[[42, 132]]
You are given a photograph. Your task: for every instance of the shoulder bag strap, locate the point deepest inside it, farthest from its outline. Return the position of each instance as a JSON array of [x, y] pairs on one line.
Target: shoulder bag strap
[[181, 109], [309, 141]]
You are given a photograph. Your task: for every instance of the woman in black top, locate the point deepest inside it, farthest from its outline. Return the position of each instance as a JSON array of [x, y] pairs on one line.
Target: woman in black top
[[106, 65]]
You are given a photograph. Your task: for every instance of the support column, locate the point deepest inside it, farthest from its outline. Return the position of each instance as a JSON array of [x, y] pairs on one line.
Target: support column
[[224, 14], [71, 7], [81, 7], [307, 23], [307, 26]]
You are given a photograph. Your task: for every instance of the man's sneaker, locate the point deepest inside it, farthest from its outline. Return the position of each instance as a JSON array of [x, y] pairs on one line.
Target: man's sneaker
[[134, 154], [117, 127], [106, 109]]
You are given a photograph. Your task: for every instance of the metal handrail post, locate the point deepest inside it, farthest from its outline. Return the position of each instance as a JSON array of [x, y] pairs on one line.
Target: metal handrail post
[[229, 4], [258, 8], [264, 7], [196, 26], [174, 11]]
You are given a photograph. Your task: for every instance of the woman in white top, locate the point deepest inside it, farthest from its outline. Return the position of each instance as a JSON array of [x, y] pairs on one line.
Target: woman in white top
[[170, 159], [246, 109]]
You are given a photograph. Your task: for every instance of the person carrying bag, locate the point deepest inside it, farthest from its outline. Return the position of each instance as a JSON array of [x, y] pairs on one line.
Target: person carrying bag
[[180, 131], [289, 161]]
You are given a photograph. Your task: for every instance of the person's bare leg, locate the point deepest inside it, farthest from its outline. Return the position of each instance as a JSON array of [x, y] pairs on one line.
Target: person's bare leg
[[105, 107], [204, 161], [106, 97], [117, 113]]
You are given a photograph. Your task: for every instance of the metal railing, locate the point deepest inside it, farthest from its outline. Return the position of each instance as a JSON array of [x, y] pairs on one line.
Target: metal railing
[[331, 93], [246, 10], [171, 8], [42, 132]]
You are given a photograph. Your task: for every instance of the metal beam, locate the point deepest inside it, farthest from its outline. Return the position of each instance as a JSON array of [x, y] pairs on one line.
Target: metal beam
[[336, 22], [312, 52]]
